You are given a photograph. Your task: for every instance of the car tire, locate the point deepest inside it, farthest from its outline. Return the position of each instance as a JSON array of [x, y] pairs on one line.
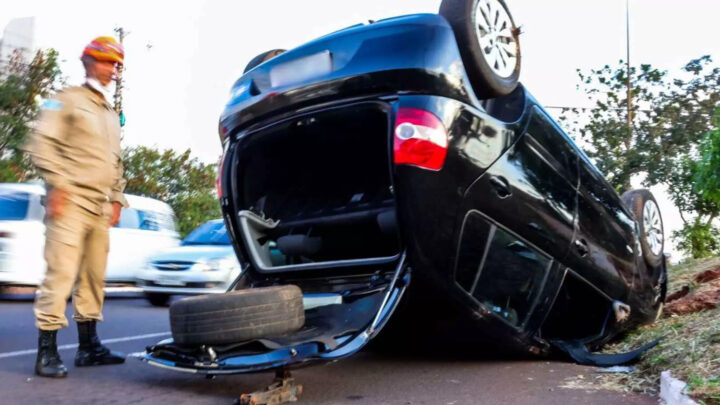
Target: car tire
[[158, 299], [644, 208], [254, 62], [488, 57], [237, 316]]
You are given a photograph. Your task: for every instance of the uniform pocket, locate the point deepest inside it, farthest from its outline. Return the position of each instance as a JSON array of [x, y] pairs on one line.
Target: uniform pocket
[[86, 120], [68, 228]]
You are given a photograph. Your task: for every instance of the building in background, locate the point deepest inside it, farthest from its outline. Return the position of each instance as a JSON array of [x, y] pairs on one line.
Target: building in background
[[18, 35]]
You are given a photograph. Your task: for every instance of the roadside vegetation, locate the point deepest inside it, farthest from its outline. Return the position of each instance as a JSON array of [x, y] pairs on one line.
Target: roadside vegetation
[[690, 348]]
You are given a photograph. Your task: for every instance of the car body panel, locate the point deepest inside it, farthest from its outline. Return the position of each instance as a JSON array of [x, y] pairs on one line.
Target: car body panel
[[411, 54]]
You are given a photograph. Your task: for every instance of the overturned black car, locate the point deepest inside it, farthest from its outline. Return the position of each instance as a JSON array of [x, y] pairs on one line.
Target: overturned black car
[[398, 169]]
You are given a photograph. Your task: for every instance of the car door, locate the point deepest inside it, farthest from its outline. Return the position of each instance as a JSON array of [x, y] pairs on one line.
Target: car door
[[520, 220], [531, 189], [603, 250]]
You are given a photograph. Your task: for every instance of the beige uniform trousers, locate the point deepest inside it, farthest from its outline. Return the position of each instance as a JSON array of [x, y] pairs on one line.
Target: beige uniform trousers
[[76, 249]]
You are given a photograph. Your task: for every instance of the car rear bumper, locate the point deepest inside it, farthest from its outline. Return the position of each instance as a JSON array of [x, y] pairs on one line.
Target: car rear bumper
[[415, 54]]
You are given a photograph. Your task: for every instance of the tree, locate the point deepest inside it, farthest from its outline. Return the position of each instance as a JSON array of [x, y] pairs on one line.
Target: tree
[[616, 151], [701, 238], [185, 183], [22, 85], [669, 119]]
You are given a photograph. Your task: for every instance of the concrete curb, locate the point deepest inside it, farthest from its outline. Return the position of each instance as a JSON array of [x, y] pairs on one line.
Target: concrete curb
[[672, 391]]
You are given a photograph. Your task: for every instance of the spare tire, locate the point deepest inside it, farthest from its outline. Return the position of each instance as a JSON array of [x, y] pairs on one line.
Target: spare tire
[[237, 316], [644, 208]]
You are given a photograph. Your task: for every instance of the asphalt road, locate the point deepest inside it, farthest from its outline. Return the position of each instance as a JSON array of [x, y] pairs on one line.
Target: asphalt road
[[366, 378]]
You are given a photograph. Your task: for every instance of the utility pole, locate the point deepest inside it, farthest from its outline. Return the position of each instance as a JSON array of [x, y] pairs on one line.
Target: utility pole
[[118, 80], [629, 84]]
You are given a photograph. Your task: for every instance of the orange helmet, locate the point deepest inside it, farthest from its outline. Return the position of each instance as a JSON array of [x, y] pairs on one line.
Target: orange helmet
[[105, 49]]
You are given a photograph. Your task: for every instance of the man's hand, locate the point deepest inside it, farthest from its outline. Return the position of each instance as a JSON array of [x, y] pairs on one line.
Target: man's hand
[[56, 203], [116, 210]]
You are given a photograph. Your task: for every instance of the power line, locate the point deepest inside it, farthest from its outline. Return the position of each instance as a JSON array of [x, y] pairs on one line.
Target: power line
[[561, 107]]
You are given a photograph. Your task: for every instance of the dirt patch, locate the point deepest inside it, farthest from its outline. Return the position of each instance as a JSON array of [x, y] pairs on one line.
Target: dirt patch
[[707, 276], [693, 303], [678, 294]]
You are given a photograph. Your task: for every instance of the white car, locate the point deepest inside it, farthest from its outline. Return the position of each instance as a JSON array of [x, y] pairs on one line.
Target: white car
[[204, 263], [148, 225]]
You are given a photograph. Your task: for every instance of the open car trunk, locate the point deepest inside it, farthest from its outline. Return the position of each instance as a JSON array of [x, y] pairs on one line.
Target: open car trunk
[[314, 202], [315, 191]]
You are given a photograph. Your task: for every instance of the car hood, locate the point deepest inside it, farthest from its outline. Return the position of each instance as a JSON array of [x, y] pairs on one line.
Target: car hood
[[193, 253]]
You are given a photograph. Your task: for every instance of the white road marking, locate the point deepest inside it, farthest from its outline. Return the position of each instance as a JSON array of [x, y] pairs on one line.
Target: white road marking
[[74, 346]]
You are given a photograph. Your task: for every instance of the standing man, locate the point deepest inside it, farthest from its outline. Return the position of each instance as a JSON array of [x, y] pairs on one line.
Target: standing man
[[76, 147]]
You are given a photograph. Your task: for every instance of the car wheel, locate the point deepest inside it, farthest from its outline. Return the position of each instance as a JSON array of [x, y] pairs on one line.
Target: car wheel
[[262, 58], [237, 316], [157, 299], [489, 45], [644, 208]]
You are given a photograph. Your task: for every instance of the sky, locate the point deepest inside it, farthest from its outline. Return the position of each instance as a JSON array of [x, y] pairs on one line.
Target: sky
[[182, 57]]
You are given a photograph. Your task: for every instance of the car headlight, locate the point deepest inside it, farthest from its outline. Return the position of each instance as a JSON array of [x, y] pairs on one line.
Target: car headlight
[[214, 265]]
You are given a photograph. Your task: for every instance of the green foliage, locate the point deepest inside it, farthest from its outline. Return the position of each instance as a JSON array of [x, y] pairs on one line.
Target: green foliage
[[698, 240], [670, 118], [707, 175], [702, 239], [176, 178], [616, 151], [22, 85]]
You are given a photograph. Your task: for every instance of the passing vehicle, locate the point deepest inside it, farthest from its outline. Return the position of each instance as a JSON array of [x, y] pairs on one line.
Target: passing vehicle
[[400, 167], [147, 226], [204, 263], [144, 227]]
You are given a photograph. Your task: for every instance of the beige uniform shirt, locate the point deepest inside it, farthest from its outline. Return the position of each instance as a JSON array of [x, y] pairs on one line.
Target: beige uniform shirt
[[76, 147]]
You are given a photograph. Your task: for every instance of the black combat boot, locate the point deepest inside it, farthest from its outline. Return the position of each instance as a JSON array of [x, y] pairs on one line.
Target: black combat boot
[[48, 363], [91, 352]]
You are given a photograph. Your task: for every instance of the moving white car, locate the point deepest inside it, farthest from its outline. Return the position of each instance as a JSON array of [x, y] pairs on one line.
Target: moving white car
[[203, 263], [146, 226]]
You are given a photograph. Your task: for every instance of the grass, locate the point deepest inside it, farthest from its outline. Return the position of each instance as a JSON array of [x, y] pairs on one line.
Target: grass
[[690, 349]]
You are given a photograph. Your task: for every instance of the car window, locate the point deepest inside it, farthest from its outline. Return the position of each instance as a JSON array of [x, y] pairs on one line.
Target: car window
[[157, 221], [209, 233], [14, 206], [129, 219], [146, 220]]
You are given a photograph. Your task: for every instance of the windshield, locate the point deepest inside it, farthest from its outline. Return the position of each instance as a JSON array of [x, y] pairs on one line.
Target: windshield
[[209, 233], [14, 206]]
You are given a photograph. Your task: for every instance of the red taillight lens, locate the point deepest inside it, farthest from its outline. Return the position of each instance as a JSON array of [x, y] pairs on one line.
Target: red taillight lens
[[420, 139], [218, 181], [4, 234]]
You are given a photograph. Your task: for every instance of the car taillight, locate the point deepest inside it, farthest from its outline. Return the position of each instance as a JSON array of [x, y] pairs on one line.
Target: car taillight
[[420, 139], [218, 181], [4, 234]]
